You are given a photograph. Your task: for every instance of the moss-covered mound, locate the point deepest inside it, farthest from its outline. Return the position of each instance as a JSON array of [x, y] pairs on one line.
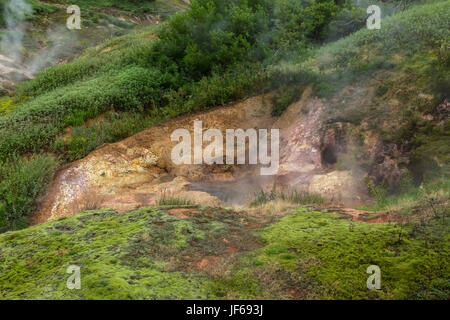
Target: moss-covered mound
[[197, 253]]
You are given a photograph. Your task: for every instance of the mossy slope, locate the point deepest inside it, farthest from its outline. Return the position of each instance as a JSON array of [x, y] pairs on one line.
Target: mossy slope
[[216, 253]]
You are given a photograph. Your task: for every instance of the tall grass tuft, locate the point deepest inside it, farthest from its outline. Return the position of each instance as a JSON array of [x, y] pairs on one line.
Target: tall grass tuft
[[168, 199], [294, 197]]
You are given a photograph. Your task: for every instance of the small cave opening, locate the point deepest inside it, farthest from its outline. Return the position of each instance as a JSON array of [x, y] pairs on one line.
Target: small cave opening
[[329, 155]]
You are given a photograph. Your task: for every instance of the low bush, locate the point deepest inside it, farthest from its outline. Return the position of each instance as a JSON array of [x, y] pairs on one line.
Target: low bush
[[283, 98], [22, 181]]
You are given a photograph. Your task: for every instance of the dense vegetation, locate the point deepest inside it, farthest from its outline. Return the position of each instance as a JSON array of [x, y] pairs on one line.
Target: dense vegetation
[[215, 253], [214, 53]]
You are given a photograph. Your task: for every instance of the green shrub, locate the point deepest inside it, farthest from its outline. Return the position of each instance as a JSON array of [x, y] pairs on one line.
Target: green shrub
[[86, 138], [381, 90], [379, 192], [35, 124], [283, 98], [21, 182]]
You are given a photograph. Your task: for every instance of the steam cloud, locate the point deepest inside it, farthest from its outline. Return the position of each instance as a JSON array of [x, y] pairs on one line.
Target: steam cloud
[[15, 12], [60, 41]]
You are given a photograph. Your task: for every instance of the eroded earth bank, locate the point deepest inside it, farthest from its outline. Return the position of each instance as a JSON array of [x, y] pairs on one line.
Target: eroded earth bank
[[138, 171]]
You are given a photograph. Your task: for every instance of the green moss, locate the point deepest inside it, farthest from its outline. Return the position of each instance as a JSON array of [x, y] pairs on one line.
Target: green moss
[[241, 284], [150, 254], [322, 246], [145, 254]]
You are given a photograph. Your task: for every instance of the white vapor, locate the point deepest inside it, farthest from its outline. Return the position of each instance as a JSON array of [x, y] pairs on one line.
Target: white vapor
[[15, 12], [60, 42]]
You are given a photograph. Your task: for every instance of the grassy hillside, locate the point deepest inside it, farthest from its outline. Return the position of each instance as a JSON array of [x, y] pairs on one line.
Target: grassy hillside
[[199, 252], [135, 81]]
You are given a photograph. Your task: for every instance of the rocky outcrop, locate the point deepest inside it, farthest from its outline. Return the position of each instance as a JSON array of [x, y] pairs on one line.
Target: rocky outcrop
[[337, 186], [138, 171], [331, 158]]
